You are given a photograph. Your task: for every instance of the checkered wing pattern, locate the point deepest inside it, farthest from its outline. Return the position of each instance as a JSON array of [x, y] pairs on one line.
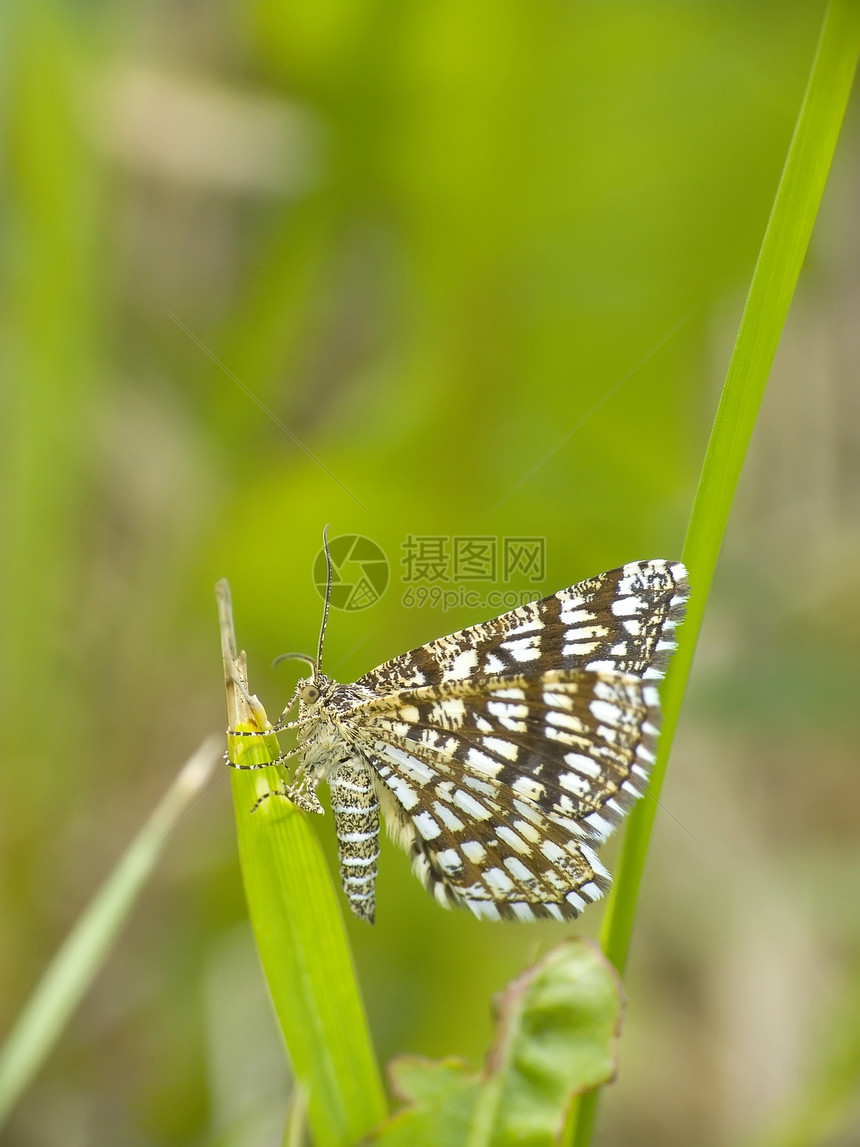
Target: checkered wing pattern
[[506, 752], [623, 621]]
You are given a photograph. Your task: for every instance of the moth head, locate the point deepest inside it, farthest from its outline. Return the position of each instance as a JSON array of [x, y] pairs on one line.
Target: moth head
[[309, 693]]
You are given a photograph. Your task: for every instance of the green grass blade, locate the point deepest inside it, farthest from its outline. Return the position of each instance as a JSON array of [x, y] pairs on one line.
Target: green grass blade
[[81, 956], [300, 933], [774, 279], [777, 269]]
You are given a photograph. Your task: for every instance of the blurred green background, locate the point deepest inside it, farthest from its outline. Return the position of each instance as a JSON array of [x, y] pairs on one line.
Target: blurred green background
[[428, 238]]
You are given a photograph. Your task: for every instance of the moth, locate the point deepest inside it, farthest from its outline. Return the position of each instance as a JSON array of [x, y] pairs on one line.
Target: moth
[[500, 756]]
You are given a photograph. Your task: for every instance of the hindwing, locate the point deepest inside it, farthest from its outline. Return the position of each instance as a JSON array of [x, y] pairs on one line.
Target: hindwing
[[502, 787]]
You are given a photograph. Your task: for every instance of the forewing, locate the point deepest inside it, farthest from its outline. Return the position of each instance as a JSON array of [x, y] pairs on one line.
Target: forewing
[[501, 787], [623, 620]]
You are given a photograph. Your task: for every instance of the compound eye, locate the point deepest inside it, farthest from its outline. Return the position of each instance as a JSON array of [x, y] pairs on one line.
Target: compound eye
[[310, 693]]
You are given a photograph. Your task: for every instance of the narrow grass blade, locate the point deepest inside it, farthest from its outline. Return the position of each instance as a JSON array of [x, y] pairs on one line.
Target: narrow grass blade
[[80, 958], [299, 930], [774, 279]]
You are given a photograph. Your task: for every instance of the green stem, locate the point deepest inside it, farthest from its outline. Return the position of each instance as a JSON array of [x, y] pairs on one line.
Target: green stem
[[774, 279], [299, 930]]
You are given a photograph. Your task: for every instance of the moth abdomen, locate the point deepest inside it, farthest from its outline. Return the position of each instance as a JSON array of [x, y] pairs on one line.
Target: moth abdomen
[[355, 809]]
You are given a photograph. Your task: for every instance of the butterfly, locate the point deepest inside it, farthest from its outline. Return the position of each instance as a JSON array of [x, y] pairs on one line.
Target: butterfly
[[502, 755]]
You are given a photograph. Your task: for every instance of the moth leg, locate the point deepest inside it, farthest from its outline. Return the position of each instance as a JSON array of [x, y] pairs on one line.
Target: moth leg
[[299, 795], [276, 728], [266, 764], [266, 795]]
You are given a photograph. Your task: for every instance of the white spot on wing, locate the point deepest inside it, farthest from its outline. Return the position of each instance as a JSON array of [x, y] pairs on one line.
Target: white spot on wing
[[528, 626], [504, 749], [498, 880], [427, 826], [522, 911], [416, 770], [528, 788], [449, 860], [582, 764], [473, 851], [513, 839], [449, 712], [525, 652], [535, 816], [448, 818], [607, 712], [558, 700], [564, 721], [600, 825], [484, 909], [407, 796], [527, 830], [470, 806], [552, 852], [575, 616], [483, 763], [462, 666], [591, 856], [626, 606], [574, 783], [518, 870]]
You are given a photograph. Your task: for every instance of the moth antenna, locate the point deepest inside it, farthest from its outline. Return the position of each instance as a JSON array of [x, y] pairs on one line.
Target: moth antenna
[[318, 666], [296, 657]]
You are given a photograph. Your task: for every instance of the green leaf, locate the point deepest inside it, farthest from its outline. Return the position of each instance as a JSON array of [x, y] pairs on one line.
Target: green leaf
[[296, 917], [556, 1030]]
